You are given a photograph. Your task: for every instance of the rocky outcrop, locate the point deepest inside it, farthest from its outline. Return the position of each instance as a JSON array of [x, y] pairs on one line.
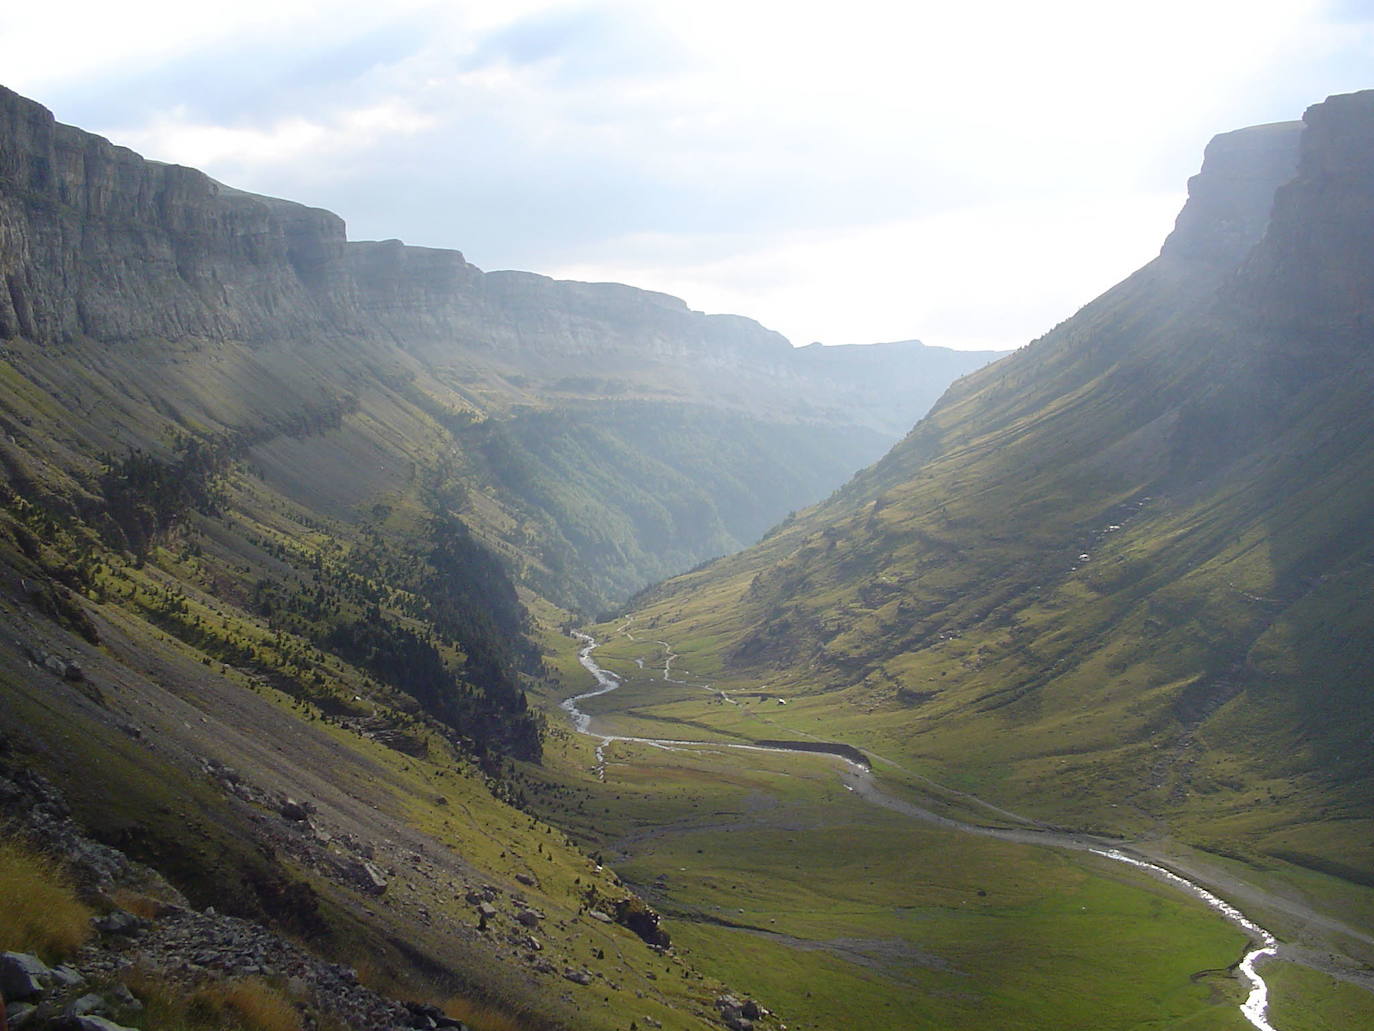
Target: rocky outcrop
[[177, 944], [96, 242], [1311, 281], [1230, 199]]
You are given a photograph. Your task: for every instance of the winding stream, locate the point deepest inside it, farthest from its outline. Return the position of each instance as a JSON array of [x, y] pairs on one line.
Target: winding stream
[[858, 778]]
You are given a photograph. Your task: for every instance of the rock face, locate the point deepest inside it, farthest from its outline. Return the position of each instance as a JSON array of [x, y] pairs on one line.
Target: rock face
[[92, 226], [1229, 200], [1312, 278]]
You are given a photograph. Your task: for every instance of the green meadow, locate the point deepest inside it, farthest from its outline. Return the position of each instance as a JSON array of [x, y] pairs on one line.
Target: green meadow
[[776, 879]]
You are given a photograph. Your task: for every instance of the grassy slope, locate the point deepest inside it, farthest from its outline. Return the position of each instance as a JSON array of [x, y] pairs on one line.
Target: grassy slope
[[614, 496]]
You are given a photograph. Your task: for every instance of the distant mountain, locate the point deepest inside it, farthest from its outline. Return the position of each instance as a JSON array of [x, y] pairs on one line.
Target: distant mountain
[[1121, 575]]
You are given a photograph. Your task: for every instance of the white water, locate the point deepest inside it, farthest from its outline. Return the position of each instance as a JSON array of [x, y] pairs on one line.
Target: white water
[[1256, 1004], [1255, 1007]]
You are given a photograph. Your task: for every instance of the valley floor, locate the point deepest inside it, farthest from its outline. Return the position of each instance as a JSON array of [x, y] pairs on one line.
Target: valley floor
[[782, 876]]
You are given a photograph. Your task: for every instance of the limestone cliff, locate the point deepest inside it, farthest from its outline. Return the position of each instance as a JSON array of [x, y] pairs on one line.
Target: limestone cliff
[[1229, 200], [99, 244], [1312, 278]]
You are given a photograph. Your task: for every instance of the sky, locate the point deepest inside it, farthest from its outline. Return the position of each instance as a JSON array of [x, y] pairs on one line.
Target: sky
[[964, 174]]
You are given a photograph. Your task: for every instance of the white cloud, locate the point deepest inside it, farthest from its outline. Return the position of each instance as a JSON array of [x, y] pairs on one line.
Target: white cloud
[[990, 276], [174, 137]]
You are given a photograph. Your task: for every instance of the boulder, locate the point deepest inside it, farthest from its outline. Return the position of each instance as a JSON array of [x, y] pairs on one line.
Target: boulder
[[423, 1017], [22, 976], [67, 977], [295, 811], [119, 921], [368, 877], [643, 921], [583, 977], [20, 1014], [528, 918], [91, 1004], [64, 668]]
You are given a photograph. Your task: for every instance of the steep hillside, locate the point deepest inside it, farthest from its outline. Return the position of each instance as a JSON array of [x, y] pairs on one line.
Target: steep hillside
[[1116, 578]]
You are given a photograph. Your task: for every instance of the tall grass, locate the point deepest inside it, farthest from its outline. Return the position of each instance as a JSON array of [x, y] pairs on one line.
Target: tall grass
[[250, 1004], [39, 908]]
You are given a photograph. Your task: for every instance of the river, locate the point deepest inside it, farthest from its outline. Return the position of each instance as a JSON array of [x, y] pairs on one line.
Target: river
[[857, 776]]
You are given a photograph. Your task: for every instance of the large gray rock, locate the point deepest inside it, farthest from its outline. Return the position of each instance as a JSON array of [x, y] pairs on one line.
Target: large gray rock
[[368, 877], [119, 922], [91, 1004], [23, 976], [66, 977], [293, 810]]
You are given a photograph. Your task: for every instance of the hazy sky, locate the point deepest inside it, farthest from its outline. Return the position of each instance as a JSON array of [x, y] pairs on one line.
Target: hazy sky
[[967, 174]]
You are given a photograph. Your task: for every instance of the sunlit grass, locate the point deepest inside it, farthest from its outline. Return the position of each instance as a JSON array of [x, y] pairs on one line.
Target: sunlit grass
[[39, 908], [482, 1016], [250, 1004]]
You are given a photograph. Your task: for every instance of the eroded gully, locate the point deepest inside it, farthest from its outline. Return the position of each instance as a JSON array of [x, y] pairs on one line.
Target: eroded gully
[[857, 776]]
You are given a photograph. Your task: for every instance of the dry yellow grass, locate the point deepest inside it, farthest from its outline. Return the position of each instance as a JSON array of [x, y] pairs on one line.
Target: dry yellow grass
[[39, 908], [482, 1016], [251, 1004], [139, 905]]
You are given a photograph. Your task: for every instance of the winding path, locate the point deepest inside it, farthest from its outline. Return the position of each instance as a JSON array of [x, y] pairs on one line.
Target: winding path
[[858, 778]]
